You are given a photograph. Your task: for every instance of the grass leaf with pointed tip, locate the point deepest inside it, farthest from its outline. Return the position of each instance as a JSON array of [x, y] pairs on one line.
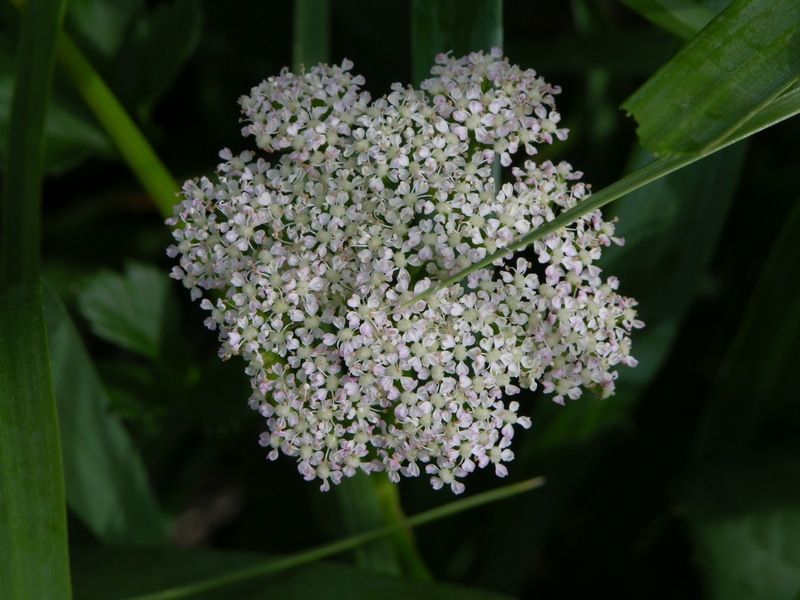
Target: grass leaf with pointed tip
[[744, 59]]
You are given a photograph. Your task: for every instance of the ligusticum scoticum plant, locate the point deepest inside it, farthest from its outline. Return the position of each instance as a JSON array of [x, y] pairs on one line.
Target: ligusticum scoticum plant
[[308, 265]]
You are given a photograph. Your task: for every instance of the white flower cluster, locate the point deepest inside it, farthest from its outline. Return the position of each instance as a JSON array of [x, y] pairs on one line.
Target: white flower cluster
[[309, 265]]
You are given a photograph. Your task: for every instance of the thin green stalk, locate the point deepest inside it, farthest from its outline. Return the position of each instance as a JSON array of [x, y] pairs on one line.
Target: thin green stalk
[[643, 176], [34, 561], [315, 554], [131, 142], [134, 147]]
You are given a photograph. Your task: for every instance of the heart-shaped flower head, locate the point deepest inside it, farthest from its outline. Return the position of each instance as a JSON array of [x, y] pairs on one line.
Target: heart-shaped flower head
[[309, 264]]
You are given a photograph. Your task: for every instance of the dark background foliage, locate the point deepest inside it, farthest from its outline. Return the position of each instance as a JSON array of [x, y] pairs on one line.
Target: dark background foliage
[[658, 492]]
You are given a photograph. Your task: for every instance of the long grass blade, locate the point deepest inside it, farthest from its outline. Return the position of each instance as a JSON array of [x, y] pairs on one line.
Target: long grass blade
[[33, 531]]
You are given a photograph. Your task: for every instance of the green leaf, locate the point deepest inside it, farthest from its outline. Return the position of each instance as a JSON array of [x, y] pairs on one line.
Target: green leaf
[[761, 359], [135, 311], [746, 522], [115, 573], [460, 26], [745, 58], [106, 481], [682, 18], [102, 25], [33, 531], [33, 525]]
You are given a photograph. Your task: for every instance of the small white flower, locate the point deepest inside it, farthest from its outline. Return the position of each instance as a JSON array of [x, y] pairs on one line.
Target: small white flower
[[309, 258]]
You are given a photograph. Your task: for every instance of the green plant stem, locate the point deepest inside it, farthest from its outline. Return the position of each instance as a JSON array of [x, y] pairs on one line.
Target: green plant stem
[[131, 142], [133, 146], [402, 539], [315, 554], [311, 33]]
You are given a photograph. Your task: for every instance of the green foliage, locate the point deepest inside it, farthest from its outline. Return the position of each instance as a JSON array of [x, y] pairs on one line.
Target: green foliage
[[745, 516], [744, 59], [683, 485], [136, 311], [106, 481], [33, 532], [111, 573]]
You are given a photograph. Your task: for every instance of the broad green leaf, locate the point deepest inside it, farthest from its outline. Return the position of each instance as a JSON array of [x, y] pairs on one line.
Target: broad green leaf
[[33, 529], [762, 358], [671, 230], [311, 33], [745, 58], [460, 26], [135, 311], [682, 18], [102, 25], [745, 519], [106, 481], [116, 573]]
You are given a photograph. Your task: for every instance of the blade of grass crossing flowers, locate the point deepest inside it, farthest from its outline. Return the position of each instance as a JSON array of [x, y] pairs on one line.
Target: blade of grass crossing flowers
[[33, 533], [785, 106], [309, 556]]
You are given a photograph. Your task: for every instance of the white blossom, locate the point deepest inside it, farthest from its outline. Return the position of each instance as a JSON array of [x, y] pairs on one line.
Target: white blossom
[[307, 264]]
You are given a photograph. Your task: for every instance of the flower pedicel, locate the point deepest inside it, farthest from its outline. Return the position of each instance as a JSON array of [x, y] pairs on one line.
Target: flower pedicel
[[308, 266]]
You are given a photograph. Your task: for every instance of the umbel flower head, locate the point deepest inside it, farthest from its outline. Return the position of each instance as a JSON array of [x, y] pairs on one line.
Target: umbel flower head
[[309, 263]]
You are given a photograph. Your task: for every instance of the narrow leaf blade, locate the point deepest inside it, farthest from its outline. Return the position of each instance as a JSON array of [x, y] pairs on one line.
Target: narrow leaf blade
[[33, 525]]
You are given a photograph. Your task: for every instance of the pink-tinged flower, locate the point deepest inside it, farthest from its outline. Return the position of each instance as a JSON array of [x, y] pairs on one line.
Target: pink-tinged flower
[[307, 265]]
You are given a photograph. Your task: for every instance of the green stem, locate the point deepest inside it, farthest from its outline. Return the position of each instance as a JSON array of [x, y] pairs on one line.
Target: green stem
[[134, 147], [402, 539], [315, 554], [311, 33]]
